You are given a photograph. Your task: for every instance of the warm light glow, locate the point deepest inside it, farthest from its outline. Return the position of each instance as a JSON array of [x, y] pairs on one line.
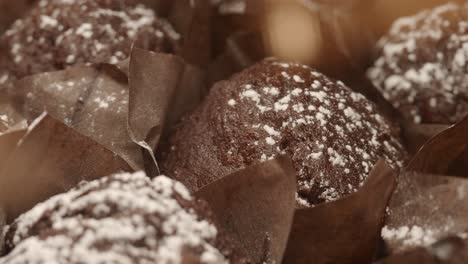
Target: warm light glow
[[292, 33]]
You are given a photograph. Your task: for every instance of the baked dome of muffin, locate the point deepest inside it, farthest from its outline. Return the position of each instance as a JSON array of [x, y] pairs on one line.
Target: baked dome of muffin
[[125, 218], [422, 66], [57, 34], [333, 135]]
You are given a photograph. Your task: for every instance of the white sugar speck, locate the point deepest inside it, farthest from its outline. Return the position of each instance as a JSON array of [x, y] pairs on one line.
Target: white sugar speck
[[298, 79], [47, 21], [271, 131], [85, 30], [270, 141]]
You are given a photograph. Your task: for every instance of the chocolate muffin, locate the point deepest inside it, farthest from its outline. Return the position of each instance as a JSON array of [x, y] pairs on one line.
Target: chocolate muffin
[[57, 34], [333, 135], [125, 218], [422, 65]]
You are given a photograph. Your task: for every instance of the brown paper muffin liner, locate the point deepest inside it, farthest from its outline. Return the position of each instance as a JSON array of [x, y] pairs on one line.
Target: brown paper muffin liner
[[50, 158], [125, 117], [428, 206], [230, 17], [415, 135], [257, 206], [153, 108], [445, 153], [242, 49], [192, 19], [91, 99], [346, 230], [2, 225], [97, 100], [11, 10]]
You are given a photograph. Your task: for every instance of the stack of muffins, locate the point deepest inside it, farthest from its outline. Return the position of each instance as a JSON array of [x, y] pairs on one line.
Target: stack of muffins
[[333, 134]]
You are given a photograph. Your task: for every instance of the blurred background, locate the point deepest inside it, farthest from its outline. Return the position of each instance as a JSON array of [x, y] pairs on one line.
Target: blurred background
[[337, 37], [334, 36]]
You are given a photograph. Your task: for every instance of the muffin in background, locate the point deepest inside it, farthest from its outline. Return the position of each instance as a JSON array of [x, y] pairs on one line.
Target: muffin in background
[[56, 34], [421, 67]]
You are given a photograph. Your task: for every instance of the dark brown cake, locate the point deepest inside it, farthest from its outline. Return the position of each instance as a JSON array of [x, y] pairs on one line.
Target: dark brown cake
[[125, 218], [333, 135], [422, 65], [59, 33]]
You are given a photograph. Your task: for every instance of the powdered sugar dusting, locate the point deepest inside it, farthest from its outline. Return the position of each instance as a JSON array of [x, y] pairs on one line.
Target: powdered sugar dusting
[[409, 236], [118, 219], [347, 135], [81, 31], [422, 65]]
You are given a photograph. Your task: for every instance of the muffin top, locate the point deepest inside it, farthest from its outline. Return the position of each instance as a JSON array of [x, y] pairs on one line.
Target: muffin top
[[422, 65], [125, 218], [333, 135], [57, 34]]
